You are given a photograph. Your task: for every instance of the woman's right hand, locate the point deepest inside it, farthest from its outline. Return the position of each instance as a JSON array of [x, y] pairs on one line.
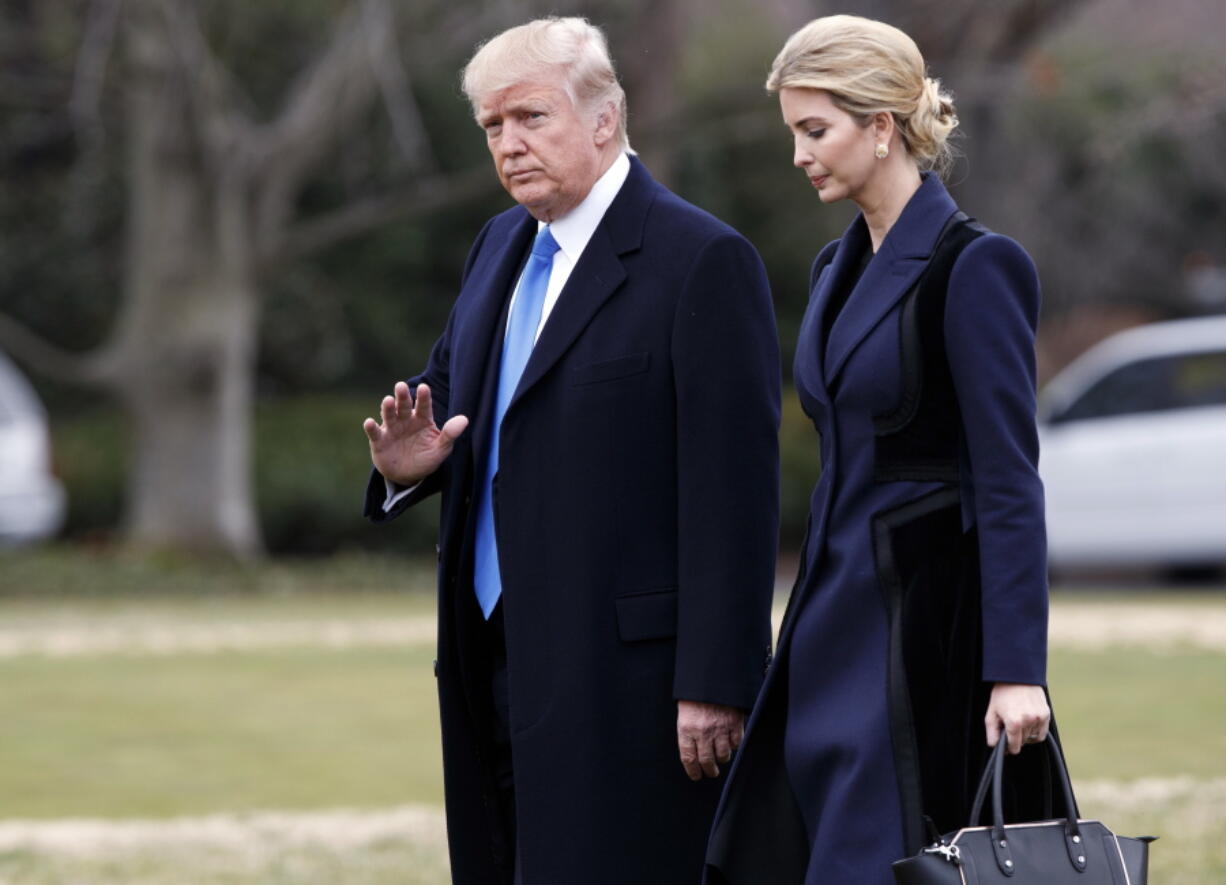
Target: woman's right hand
[[1020, 712], [407, 446]]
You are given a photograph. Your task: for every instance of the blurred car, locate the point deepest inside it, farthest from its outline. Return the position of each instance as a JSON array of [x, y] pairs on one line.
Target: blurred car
[[31, 498], [1133, 454]]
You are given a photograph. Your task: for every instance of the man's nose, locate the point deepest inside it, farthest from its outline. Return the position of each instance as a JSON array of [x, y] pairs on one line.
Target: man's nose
[[510, 143]]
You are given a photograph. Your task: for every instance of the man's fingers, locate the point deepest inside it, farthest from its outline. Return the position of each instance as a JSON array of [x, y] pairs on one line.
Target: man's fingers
[[424, 407], [689, 757], [736, 731], [706, 757], [454, 427], [387, 410], [723, 748], [371, 426]]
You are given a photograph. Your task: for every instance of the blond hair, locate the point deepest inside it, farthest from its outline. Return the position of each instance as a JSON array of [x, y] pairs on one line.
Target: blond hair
[[572, 46], [868, 67]]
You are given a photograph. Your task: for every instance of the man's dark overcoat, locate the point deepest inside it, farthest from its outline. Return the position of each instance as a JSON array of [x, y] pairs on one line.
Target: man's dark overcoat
[[923, 578], [636, 509]]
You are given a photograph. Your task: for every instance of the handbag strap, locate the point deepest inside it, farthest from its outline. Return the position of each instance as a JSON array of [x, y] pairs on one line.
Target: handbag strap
[[992, 777]]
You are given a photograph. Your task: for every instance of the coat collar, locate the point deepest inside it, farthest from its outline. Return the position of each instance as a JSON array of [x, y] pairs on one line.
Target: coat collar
[[903, 255], [598, 274]]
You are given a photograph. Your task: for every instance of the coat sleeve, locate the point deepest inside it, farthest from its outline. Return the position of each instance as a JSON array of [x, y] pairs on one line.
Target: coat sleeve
[[437, 375], [990, 321], [725, 353]]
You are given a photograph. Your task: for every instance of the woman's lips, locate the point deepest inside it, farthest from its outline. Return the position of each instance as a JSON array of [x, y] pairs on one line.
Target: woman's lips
[[818, 180]]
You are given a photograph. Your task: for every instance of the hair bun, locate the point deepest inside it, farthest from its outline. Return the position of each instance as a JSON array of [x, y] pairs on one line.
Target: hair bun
[[937, 103]]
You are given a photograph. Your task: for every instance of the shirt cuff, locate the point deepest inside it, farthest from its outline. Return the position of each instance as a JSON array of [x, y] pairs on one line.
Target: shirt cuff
[[395, 493]]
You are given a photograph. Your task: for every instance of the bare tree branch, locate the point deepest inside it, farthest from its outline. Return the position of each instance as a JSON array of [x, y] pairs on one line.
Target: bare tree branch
[[966, 31], [84, 109], [94, 368], [90, 73], [425, 195], [214, 96], [326, 102], [326, 98], [408, 127], [1196, 109]]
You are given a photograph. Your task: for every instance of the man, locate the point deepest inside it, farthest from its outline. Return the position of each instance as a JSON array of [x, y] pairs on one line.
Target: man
[[600, 416]]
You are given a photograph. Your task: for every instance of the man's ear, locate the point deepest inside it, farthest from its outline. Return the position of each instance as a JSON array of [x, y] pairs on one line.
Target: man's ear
[[606, 123]]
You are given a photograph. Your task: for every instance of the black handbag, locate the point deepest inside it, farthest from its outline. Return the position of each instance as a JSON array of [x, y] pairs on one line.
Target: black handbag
[[1051, 852]]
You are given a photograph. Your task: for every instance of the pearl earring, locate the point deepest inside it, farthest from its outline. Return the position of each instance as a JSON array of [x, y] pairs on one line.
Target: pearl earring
[[883, 151]]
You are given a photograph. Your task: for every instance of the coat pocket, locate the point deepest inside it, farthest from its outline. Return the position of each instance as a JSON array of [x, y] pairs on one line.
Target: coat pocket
[[611, 370], [642, 616]]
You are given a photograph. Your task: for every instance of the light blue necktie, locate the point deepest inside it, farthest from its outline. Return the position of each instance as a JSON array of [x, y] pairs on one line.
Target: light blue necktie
[[516, 348]]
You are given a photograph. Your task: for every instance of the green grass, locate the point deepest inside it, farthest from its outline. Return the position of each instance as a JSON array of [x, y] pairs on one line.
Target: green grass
[[77, 574], [189, 734], [1128, 713], [308, 728], [390, 862]]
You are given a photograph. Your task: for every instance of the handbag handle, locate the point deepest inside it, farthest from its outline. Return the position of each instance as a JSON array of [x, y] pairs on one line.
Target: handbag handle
[[992, 776]]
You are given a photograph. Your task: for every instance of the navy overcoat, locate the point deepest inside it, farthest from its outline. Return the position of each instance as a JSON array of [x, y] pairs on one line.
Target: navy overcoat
[[636, 509], [919, 588]]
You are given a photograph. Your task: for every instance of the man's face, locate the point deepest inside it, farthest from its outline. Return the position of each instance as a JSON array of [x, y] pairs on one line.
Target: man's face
[[548, 154]]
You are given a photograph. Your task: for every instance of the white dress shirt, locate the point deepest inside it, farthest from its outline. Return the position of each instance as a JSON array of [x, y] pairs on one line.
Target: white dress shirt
[[573, 231]]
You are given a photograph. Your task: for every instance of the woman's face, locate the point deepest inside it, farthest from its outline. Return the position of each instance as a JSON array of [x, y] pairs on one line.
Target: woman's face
[[835, 152]]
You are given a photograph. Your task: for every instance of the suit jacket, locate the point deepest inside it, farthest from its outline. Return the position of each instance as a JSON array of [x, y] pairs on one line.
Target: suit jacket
[[636, 510]]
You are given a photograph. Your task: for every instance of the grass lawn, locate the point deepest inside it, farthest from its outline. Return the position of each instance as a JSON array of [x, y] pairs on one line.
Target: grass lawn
[[77, 575], [1126, 713], [307, 728], [123, 736]]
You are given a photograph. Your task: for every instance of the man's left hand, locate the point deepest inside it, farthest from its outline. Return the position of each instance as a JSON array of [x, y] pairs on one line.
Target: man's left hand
[[706, 735]]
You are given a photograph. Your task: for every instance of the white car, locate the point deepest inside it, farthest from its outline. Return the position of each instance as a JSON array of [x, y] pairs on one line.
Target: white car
[[1133, 456], [31, 498]]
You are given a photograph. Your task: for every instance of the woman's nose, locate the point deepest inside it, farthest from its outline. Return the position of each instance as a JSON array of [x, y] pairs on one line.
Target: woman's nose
[[801, 156]]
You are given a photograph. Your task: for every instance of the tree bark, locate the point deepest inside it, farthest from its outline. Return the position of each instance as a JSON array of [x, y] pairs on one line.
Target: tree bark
[[185, 343]]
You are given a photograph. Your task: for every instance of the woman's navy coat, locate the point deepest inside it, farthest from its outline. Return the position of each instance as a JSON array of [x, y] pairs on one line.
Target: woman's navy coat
[[826, 786], [637, 517]]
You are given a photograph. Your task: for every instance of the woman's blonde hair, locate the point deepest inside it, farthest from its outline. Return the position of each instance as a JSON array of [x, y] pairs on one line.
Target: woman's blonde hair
[[868, 67], [572, 46]]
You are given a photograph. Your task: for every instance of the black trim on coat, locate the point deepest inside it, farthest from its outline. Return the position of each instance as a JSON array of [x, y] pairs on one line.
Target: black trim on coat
[[918, 439]]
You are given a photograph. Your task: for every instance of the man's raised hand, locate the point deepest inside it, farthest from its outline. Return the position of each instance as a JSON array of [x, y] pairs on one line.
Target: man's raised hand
[[405, 445]]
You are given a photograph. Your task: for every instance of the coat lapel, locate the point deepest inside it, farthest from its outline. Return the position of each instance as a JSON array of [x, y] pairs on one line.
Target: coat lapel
[[903, 255], [597, 276], [473, 340], [853, 241]]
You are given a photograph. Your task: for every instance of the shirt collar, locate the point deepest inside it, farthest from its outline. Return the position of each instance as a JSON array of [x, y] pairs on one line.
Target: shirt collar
[[573, 230]]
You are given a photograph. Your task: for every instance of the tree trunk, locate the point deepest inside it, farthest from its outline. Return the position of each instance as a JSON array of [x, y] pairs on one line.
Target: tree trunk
[[185, 346]]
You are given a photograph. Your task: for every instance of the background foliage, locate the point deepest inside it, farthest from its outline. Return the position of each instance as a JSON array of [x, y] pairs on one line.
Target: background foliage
[[1085, 132]]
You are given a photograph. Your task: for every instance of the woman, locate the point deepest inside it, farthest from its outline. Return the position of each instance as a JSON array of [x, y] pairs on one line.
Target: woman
[[916, 634]]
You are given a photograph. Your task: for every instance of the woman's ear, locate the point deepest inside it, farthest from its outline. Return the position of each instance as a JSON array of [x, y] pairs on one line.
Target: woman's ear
[[883, 127]]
